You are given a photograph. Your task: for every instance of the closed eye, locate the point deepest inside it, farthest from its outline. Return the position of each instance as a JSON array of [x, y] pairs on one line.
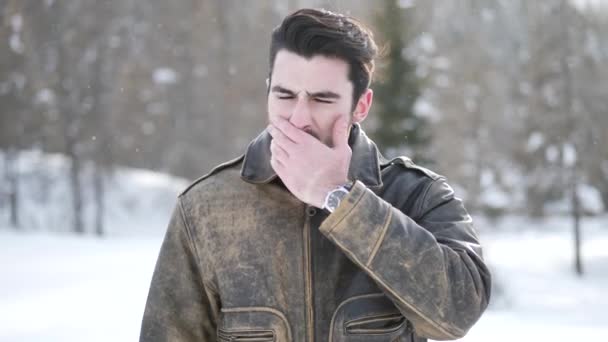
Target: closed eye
[[285, 97], [323, 100]]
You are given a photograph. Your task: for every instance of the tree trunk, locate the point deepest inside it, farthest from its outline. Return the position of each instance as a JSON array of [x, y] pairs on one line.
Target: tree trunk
[[12, 175], [78, 226], [574, 122], [576, 215], [99, 199]]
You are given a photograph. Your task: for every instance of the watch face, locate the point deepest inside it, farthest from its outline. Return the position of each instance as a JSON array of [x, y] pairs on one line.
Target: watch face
[[335, 198], [333, 202]]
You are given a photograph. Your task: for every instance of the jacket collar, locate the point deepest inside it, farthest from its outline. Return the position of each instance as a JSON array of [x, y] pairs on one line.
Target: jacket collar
[[364, 164]]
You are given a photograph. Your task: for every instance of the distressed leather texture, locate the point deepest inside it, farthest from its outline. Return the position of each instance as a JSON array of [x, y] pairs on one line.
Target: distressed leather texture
[[245, 260]]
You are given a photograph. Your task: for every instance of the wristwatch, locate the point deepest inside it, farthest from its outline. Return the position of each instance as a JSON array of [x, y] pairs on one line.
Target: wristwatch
[[335, 196]]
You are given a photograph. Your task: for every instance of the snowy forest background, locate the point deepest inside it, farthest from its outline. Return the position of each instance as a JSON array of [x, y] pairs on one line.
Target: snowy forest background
[[109, 108]]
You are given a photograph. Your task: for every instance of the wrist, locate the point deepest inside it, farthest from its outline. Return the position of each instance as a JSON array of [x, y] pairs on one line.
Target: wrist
[[322, 195], [333, 197]]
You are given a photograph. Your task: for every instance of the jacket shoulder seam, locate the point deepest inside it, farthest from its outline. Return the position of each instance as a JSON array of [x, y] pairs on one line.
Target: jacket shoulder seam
[[409, 164], [213, 171], [425, 205], [425, 196]]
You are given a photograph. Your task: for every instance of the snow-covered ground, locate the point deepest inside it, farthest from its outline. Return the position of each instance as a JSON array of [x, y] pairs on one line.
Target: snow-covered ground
[[55, 286], [539, 297], [67, 288]]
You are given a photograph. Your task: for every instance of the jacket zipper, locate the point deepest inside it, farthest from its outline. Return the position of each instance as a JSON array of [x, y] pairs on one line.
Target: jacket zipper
[[308, 271]]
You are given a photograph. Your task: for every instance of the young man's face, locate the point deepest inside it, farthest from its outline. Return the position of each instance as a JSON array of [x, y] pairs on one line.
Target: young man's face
[[313, 93]]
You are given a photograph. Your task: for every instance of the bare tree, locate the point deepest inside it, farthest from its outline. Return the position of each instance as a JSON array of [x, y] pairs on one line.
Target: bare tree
[[13, 105]]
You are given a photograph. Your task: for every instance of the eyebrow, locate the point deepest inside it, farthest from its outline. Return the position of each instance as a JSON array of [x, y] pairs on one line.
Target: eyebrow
[[325, 94], [279, 89]]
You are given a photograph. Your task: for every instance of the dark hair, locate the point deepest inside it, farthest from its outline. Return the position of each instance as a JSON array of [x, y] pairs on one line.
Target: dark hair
[[310, 32]]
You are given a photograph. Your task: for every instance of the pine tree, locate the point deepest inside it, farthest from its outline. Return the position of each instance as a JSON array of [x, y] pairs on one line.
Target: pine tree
[[399, 130]]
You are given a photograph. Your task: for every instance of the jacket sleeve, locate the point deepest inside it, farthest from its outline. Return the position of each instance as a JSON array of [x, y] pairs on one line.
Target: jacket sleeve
[[431, 268], [180, 305]]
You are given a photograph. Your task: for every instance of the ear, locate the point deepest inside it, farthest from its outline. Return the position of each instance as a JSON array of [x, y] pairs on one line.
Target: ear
[[267, 86], [363, 105]]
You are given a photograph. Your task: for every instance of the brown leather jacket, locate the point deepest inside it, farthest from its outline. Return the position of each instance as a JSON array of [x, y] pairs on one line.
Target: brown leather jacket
[[244, 260]]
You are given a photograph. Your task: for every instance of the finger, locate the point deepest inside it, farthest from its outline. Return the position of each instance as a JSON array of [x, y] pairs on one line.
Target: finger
[[277, 166], [277, 151], [340, 133], [290, 131], [280, 138]]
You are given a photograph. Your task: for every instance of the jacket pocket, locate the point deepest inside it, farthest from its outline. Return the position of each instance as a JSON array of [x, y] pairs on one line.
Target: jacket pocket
[[253, 324], [370, 318], [245, 335], [375, 324]]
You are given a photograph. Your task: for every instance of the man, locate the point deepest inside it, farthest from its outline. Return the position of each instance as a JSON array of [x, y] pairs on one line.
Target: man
[[312, 235]]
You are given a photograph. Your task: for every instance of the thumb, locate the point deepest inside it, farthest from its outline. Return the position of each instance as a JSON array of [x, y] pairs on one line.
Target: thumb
[[340, 133]]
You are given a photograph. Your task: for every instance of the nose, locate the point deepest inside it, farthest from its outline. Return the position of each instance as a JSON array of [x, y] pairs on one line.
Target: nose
[[300, 116]]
